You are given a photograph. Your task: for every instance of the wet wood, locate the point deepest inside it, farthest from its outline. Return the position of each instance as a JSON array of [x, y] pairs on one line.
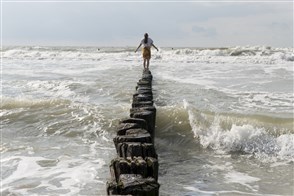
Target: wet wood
[[135, 169], [139, 121], [136, 149], [133, 135], [133, 184]]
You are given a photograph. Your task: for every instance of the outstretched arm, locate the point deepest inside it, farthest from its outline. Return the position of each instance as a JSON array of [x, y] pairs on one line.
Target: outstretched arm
[[138, 48], [155, 47]]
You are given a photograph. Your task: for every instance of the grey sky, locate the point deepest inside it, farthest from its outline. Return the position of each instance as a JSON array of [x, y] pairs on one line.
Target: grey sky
[[214, 24]]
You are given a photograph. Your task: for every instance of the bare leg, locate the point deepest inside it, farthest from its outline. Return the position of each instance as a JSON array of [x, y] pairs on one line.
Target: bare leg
[[144, 63], [148, 63]]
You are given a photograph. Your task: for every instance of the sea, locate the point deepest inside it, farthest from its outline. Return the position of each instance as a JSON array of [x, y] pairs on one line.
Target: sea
[[224, 121]]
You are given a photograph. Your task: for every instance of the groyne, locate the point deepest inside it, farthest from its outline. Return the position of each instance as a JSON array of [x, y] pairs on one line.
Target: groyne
[[135, 169]]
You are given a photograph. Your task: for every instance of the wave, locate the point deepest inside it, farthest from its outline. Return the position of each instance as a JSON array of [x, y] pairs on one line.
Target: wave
[[8, 103], [48, 117], [267, 138], [248, 54]]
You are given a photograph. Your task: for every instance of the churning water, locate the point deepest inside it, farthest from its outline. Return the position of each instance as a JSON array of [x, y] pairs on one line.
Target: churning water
[[224, 118]]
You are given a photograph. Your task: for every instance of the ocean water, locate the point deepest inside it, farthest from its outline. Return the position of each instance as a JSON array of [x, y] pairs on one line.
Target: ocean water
[[224, 118]]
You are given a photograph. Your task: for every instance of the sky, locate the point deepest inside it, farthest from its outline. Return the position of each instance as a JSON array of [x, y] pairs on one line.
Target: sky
[[168, 23]]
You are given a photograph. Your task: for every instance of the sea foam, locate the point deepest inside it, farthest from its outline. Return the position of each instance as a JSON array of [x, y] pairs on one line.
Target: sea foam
[[240, 137]]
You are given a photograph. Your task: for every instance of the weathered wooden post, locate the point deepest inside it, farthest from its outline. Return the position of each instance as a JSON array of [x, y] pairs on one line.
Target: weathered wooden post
[[135, 169]]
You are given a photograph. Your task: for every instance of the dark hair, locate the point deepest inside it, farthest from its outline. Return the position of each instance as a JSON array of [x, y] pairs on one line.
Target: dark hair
[[146, 38]]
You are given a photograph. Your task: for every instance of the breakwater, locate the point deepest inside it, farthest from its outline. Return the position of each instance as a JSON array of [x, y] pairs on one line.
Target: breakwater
[[135, 169]]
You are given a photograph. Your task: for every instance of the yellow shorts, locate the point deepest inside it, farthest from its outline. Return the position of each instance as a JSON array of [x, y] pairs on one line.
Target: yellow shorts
[[146, 53]]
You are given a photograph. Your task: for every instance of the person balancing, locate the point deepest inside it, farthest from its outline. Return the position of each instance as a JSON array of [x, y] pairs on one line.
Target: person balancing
[[147, 44]]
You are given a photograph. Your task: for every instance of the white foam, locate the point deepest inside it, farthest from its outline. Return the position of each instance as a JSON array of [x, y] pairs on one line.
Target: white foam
[[286, 144], [241, 178], [240, 138], [247, 54], [194, 189], [68, 175], [231, 192]]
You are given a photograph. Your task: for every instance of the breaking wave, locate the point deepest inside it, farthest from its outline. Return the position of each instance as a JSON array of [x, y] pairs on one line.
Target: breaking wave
[[269, 139], [248, 54], [255, 136]]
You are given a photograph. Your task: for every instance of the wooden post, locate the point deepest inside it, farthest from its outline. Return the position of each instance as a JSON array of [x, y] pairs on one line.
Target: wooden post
[[135, 170]]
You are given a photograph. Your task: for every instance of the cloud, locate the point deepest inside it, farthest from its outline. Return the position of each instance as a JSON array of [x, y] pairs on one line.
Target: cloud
[[207, 32], [169, 24], [279, 26]]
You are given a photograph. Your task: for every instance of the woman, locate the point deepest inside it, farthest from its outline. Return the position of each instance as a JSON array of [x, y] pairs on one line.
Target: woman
[[147, 44]]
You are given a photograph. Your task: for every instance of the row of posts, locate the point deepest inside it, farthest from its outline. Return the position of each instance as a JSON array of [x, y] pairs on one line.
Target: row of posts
[[135, 169]]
